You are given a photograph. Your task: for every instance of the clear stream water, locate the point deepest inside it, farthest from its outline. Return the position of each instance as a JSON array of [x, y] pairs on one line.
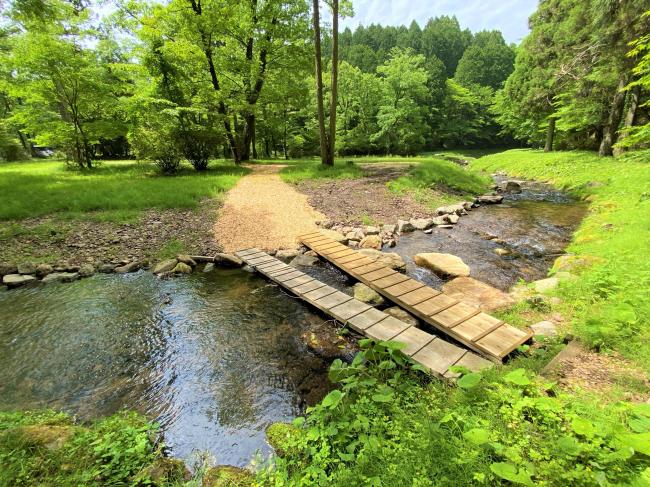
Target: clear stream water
[[217, 357]]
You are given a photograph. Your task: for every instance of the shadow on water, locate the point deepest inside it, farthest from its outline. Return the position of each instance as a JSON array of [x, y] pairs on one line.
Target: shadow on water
[[215, 358], [535, 226]]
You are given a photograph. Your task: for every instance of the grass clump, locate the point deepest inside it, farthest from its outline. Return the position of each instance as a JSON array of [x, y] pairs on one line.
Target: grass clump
[[114, 191], [609, 304], [309, 169], [385, 426], [436, 181]]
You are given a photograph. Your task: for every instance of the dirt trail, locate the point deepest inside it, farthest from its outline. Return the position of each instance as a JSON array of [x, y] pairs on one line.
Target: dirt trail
[[265, 212]]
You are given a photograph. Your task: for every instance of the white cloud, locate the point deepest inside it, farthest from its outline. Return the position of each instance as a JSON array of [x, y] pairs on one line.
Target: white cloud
[[508, 16]]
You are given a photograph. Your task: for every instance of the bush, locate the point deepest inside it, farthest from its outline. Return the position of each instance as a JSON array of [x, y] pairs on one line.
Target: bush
[[197, 147], [168, 160]]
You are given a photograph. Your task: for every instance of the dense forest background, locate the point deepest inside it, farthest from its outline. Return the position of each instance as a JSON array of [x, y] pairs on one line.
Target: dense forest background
[[196, 79]]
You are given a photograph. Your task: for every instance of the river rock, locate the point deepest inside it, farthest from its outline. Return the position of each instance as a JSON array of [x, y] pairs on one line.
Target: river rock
[[125, 269], [8, 269], [371, 242], [227, 476], [17, 280], [86, 270], [404, 226], [444, 264], [389, 259], [371, 230], [501, 251], [227, 260], [27, 268], [186, 259], [511, 186], [402, 315], [422, 223], [286, 254], [164, 471], [544, 328], [440, 220], [367, 295], [453, 218], [165, 266], [304, 260], [182, 268], [355, 234], [477, 293], [388, 229], [43, 270], [106, 268], [353, 244], [334, 235], [490, 199], [61, 277], [209, 267], [545, 285], [568, 263], [457, 209]]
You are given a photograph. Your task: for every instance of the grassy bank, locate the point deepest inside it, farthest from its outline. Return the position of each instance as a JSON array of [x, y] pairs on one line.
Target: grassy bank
[[114, 191], [609, 305]]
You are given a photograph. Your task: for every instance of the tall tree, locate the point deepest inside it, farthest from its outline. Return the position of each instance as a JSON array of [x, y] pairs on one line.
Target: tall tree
[[488, 61]]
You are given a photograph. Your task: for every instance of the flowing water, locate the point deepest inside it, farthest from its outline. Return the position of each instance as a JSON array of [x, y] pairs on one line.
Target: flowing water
[[215, 357], [535, 226]]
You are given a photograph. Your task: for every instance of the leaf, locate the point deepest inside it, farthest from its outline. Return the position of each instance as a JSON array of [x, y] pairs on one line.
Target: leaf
[[583, 427], [508, 471], [468, 381], [518, 377], [640, 442], [382, 397], [569, 445], [477, 436], [332, 399]]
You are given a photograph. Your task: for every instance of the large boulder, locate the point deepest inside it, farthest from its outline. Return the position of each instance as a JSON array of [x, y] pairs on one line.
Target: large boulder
[[61, 277], [17, 280], [182, 268], [286, 254], [389, 259], [402, 315], [334, 235], [367, 295], [126, 268], [371, 242], [165, 266], [372, 230], [404, 226], [422, 223], [490, 199], [477, 293], [186, 259], [511, 186], [227, 260], [304, 260], [443, 264], [457, 209], [355, 234], [43, 270]]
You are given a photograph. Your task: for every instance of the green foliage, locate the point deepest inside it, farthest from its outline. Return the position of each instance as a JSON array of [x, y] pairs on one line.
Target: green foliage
[[384, 426], [488, 61], [112, 190], [314, 170]]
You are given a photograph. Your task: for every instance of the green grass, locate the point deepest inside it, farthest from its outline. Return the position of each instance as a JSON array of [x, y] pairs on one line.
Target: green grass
[[114, 191], [312, 169], [609, 305], [435, 182]]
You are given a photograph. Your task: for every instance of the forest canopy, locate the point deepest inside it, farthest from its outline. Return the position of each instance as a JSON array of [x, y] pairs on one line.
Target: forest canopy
[[198, 79]]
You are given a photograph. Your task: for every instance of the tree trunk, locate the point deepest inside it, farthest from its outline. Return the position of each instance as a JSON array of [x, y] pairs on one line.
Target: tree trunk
[[254, 143], [614, 120], [267, 149], [629, 117], [334, 78], [248, 134], [324, 143], [550, 135]]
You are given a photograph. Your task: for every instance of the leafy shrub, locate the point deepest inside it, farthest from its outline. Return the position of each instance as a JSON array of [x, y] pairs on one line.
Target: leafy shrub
[[197, 147], [168, 159]]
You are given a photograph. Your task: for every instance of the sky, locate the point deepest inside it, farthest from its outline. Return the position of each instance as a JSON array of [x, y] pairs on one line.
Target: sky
[[508, 16]]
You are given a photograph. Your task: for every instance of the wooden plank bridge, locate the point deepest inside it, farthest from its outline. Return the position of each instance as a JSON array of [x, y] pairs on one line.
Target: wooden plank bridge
[[431, 351], [464, 323]]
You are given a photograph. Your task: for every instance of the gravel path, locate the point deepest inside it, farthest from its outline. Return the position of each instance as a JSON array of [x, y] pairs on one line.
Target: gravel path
[[263, 211]]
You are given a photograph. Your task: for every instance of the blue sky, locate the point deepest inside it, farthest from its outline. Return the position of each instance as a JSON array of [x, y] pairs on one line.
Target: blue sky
[[508, 16]]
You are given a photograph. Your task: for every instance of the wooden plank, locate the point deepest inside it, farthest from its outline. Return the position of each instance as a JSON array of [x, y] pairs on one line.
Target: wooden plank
[[279, 272], [271, 266], [298, 281], [366, 319], [334, 250], [349, 309], [333, 299], [418, 296], [320, 292], [378, 274], [389, 281], [260, 260], [288, 276], [364, 269], [414, 339], [438, 356], [386, 329], [349, 266], [242, 253], [341, 253], [325, 246], [310, 286], [317, 238], [434, 305], [403, 287], [477, 327], [503, 340], [256, 255], [310, 234], [349, 258], [470, 361], [456, 314]]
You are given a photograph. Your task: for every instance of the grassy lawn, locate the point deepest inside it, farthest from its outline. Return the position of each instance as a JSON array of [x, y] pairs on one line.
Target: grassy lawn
[[114, 191], [609, 305]]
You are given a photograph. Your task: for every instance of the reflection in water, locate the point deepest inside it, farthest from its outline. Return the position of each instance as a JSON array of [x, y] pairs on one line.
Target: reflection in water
[[535, 226], [214, 358]]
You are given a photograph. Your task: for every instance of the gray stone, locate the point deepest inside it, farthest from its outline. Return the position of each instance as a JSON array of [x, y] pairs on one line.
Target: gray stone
[[165, 266], [443, 264], [182, 268], [43, 270], [125, 269], [511, 186], [388, 229], [428, 231], [367, 295], [467, 205], [106, 268], [286, 254], [402, 315], [86, 270], [371, 242], [389, 259], [422, 223], [545, 285], [353, 244], [17, 280], [440, 220], [186, 259], [312, 253], [227, 260], [371, 230], [209, 267], [490, 199], [404, 226], [453, 218], [27, 268], [8, 269], [501, 251], [544, 328], [355, 234], [457, 209], [304, 260], [61, 277], [334, 235]]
